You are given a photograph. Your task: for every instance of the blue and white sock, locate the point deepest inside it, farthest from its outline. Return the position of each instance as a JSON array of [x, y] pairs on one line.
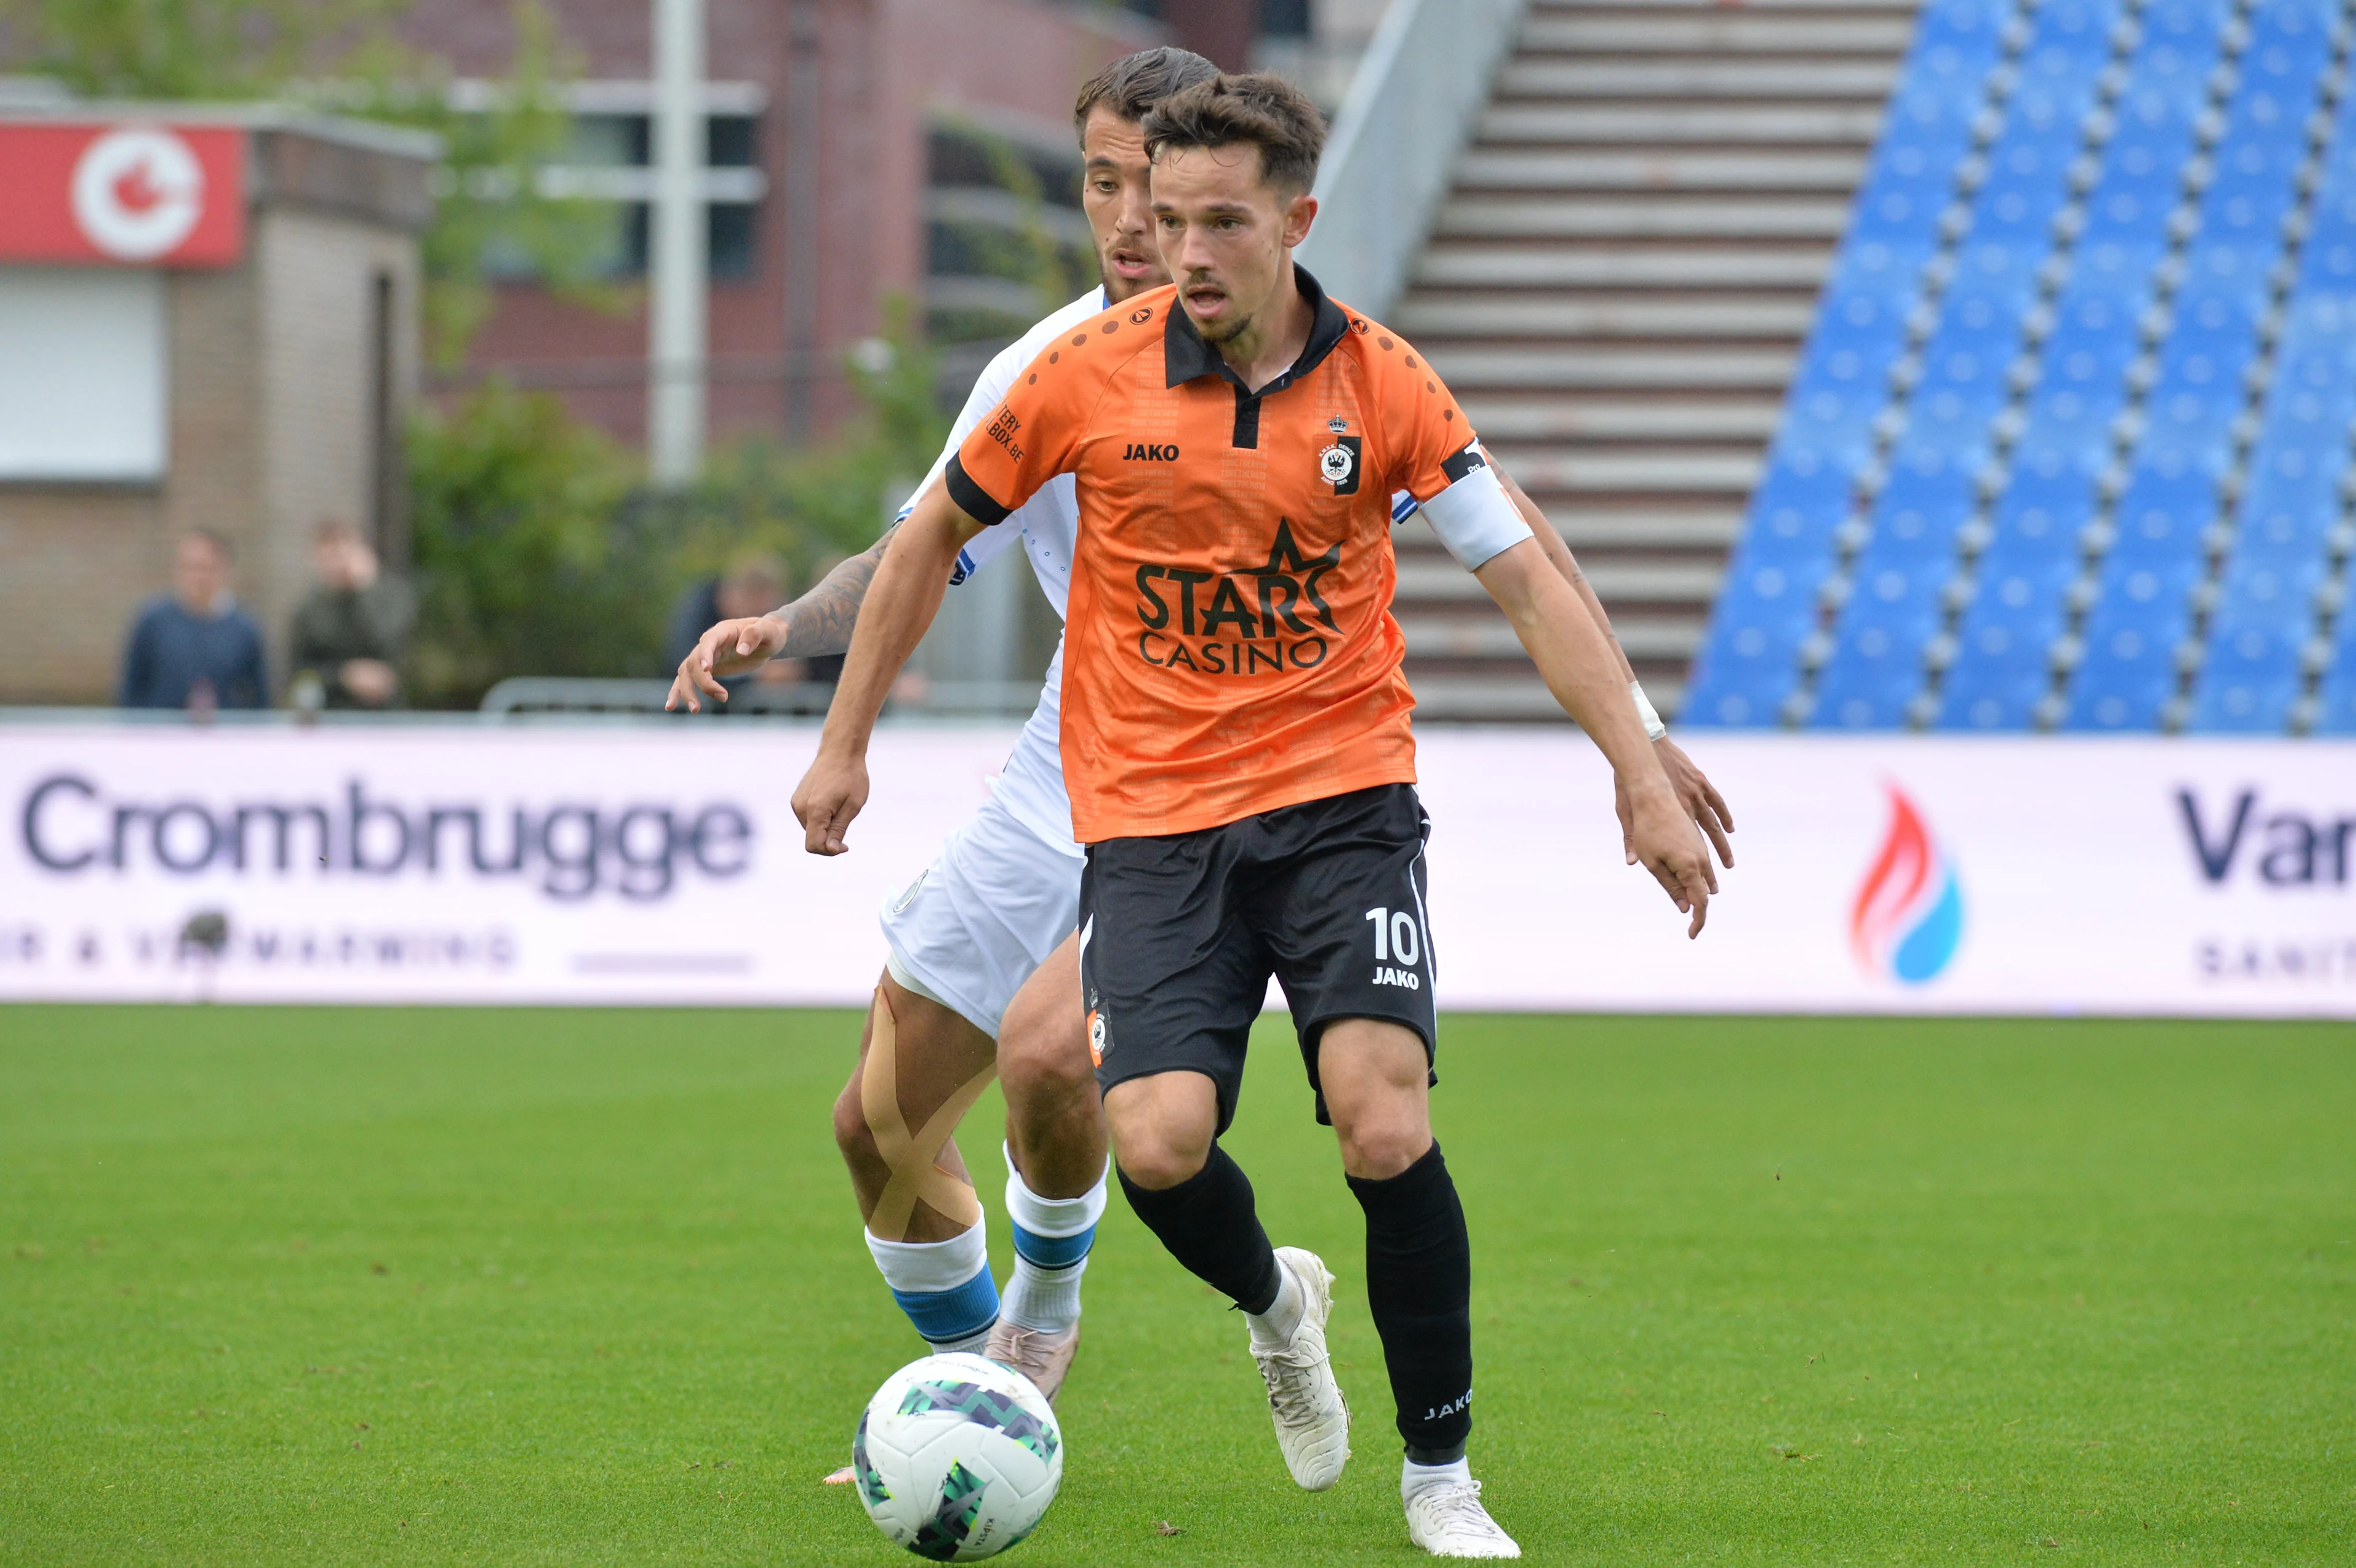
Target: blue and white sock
[[1052, 1238], [944, 1287]]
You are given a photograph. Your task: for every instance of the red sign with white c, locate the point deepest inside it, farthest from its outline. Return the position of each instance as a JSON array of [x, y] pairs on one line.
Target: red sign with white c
[[133, 194]]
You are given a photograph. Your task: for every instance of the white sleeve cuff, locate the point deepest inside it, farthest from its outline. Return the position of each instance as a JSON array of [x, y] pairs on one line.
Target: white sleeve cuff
[[1476, 518], [1655, 729]]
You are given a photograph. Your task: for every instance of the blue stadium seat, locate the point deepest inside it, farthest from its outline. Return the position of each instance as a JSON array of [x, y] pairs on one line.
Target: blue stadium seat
[[2276, 590], [1956, 42], [2338, 692], [1916, 517], [2082, 386], [1877, 663], [2167, 506], [2179, 44], [1799, 501], [1886, 269], [2329, 258], [2128, 670], [2002, 272], [1749, 663], [2192, 407], [2039, 516], [1965, 367], [2249, 681], [2000, 669]]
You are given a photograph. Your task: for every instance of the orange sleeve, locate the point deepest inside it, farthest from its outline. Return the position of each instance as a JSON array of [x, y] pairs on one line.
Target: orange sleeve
[[1425, 432], [1034, 432], [1437, 458]]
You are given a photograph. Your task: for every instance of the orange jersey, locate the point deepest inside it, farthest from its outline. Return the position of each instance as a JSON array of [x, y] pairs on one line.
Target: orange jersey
[[1229, 648]]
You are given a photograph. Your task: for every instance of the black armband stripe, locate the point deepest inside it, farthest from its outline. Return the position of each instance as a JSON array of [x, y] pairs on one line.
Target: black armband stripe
[[972, 500], [1463, 463]]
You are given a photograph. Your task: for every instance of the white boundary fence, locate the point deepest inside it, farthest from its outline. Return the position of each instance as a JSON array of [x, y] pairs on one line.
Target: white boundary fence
[[620, 862]]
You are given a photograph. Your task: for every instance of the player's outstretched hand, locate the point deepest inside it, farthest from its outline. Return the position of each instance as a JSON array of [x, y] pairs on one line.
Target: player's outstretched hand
[[1668, 846], [729, 648], [1695, 791], [831, 794]]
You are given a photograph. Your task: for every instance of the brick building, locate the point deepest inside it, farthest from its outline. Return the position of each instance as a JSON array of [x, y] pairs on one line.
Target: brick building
[[837, 134], [854, 150], [208, 319]]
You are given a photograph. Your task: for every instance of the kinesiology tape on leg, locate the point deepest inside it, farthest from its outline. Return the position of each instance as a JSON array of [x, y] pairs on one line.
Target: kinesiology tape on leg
[[1419, 1291], [1209, 1224], [910, 1159]]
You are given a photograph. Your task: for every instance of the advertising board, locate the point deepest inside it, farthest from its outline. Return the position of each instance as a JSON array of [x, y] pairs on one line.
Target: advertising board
[[661, 864], [135, 192]]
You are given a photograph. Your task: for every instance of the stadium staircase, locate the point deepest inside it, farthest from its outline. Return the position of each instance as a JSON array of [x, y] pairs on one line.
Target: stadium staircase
[[2068, 446], [1616, 286]]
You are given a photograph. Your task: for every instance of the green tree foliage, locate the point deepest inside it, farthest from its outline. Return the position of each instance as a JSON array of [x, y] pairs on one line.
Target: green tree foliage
[[528, 559], [539, 552], [185, 48]]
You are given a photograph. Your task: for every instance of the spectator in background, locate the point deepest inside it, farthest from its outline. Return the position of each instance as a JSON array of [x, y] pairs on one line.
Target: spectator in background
[[755, 584], [193, 647], [351, 631]]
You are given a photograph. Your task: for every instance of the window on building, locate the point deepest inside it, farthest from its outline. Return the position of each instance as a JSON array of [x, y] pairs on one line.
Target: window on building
[[82, 374], [609, 157], [1004, 237]]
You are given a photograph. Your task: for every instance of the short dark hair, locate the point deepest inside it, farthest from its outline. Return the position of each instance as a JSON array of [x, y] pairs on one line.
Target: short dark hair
[[1258, 107], [218, 542], [1135, 83]]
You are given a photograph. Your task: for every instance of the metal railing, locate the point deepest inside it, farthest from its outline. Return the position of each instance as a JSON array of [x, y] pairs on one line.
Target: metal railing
[[1411, 106]]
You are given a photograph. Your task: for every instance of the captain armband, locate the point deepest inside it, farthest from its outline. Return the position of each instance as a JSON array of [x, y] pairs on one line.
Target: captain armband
[[1473, 516]]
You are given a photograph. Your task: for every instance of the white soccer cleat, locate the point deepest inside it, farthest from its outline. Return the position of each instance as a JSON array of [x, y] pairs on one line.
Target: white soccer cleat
[[1312, 1419], [1449, 1521]]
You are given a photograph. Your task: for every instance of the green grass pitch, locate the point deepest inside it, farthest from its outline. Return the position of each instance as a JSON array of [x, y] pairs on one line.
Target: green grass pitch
[[541, 1286]]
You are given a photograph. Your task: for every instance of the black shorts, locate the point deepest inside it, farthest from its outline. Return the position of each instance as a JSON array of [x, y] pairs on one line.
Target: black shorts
[[1179, 935]]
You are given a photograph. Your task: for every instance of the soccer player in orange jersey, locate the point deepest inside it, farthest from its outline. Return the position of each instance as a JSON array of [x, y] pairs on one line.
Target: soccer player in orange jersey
[[1236, 739]]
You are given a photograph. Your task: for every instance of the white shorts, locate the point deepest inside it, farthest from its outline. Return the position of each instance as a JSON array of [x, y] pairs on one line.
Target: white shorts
[[984, 916]]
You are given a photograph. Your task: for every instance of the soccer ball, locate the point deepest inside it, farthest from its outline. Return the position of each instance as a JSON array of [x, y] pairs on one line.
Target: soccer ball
[[956, 1458]]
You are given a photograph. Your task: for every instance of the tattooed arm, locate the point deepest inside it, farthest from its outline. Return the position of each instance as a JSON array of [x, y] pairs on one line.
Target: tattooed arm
[[817, 623]]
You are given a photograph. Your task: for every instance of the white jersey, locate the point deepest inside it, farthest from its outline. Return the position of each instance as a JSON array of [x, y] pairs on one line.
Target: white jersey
[[1031, 786]]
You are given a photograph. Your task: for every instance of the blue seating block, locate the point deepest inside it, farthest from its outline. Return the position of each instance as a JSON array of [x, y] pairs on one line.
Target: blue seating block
[[2000, 669], [2042, 508], [2179, 44], [1877, 663], [1749, 663], [2128, 670], [2250, 680], [2191, 410], [2339, 690]]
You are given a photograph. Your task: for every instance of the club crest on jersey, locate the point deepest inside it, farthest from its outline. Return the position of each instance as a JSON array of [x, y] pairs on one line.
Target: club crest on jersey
[[1338, 464]]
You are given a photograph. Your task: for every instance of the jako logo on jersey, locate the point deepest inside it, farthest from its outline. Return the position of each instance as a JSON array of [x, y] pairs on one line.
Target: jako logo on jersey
[[1908, 916], [1256, 618], [1136, 453]]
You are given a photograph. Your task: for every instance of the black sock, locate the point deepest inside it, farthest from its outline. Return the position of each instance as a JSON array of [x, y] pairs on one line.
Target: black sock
[[1209, 1224], [1420, 1289]]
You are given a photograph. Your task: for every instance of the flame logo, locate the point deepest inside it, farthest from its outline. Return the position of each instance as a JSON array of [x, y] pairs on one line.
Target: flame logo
[[1908, 919]]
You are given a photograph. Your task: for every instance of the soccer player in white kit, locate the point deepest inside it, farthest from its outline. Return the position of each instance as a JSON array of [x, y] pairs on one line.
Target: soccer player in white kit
[[982, 971]]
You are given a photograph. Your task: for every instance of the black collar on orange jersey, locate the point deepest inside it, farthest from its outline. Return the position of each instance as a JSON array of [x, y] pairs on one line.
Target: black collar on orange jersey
[[1186, 357]]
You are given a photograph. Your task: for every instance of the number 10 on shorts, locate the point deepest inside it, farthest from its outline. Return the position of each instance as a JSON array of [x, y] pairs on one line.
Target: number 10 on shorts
[[1396, 942]]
